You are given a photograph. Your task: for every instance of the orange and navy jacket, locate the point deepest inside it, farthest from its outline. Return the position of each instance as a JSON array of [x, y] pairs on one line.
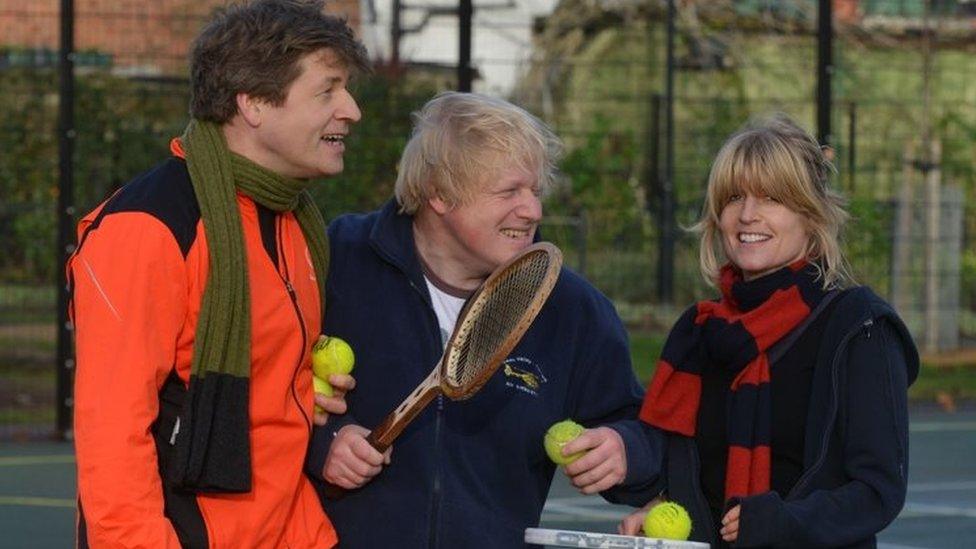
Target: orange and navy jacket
[[138, 277]]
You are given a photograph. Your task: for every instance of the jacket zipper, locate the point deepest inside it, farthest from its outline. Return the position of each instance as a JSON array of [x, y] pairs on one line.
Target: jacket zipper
[[436, 491], [832, 413], [301, 321], [700, 502], [435, 498]]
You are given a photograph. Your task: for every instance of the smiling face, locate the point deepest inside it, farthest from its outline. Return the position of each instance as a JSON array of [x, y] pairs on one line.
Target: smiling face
[[760, 235], [304, 136], [496, 224]]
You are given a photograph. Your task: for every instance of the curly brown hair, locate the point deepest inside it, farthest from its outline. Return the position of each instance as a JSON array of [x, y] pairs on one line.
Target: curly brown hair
[[255, 48]]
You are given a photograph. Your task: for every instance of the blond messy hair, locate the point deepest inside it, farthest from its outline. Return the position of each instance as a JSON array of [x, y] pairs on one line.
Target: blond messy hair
[[460, 140], [775, 157]]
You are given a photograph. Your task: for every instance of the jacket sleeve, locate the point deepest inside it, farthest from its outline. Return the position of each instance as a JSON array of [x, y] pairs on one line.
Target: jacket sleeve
[[875, 450], [321, 443], [605, 392], [129, 307]]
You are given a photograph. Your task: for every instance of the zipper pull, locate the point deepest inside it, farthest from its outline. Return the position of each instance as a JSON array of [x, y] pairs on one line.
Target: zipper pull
[[867, 327], [291, 290], [176, 431]]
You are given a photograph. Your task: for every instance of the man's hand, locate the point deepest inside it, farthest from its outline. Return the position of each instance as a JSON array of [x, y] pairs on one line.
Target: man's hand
[[605, 462], [633, 524], [730, 524], [335, 404], [352, 461]]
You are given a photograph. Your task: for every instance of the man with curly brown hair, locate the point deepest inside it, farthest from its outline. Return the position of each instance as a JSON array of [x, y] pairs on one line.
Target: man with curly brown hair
[[198, 292]]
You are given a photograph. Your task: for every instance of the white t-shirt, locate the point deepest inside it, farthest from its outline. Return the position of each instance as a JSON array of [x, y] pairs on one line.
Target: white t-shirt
[[447, 307]]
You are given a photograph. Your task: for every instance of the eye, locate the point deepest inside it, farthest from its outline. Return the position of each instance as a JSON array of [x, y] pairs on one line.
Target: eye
[[733, 198]]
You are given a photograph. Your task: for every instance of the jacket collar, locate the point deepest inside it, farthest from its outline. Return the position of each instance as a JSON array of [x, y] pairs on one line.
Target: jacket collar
[[392, 238]]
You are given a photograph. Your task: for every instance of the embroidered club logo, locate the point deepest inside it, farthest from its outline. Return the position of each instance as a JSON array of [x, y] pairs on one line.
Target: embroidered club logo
[[523, 375]]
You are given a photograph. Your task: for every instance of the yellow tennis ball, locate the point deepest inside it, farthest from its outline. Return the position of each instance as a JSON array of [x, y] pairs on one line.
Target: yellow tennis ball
[[667, 520], [557, 436], [331, 355], [320, 385]]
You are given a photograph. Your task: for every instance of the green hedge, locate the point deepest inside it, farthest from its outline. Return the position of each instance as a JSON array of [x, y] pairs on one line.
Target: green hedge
[[123, 128]]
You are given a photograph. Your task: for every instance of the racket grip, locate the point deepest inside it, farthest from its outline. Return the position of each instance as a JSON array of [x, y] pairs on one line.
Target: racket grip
[[382, 436]]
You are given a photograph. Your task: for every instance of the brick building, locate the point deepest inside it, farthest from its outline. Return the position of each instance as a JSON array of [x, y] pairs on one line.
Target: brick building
[[138, 37]]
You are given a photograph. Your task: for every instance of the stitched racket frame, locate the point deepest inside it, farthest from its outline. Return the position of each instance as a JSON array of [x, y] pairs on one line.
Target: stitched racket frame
[[438, 382]]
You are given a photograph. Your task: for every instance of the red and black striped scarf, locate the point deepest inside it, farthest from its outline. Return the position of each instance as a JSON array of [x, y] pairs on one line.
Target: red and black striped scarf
[[734, 332]]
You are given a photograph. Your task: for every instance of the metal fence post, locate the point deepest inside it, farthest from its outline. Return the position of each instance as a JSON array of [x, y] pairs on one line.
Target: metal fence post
[[66, 140], [851, 146], [825, 69], [665, 289], [581, 235], [465, 14]]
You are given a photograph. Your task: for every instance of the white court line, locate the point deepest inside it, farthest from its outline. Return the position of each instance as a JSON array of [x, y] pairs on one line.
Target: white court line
[[581, 501], [585, 511], [947, 486], [882, 545], [941, 426], [35, 460], [36, 502], [939, 510]]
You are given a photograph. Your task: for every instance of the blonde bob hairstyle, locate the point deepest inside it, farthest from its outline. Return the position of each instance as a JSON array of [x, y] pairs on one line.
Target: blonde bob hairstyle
[[776, 158], [461, 140]]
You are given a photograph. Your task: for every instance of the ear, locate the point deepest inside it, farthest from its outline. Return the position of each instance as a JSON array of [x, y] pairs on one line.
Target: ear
[[250, 109], [437, 204]]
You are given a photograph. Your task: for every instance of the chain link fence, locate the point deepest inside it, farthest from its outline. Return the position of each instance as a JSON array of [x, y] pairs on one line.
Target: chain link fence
[[902, 118]]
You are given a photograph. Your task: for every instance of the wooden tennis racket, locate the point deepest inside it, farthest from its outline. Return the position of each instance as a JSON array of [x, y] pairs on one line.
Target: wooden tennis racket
[[489, 326]]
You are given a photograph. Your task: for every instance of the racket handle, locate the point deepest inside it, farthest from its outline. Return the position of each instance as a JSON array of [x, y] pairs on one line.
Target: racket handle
[[383, 435]]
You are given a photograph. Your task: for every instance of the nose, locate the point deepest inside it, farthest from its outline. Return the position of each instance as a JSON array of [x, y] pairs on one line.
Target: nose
[[749, 209], [347, 109], [530, 207]]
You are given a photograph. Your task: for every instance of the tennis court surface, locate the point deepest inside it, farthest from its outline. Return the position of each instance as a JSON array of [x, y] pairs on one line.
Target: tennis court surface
[[37, 487]]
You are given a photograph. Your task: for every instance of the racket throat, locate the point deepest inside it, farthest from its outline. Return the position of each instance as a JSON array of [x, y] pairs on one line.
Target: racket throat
[[392, 425]]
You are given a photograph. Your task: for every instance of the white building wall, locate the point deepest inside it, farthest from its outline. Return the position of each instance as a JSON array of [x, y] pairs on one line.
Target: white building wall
[[501, 40]]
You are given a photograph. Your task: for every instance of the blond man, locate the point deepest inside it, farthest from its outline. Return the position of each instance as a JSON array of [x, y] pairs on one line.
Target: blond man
[[474, 473]]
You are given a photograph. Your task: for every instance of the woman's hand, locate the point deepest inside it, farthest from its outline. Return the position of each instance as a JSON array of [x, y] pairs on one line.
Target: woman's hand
[[730, 525]]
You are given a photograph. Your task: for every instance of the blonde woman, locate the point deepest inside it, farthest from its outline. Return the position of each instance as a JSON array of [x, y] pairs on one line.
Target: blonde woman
[[784, 400]]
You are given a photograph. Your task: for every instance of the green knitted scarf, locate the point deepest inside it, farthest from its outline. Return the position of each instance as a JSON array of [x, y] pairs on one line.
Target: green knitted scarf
[[213, 439]]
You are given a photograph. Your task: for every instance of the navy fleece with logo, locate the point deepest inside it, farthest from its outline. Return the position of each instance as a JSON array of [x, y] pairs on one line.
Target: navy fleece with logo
[[471, 473]]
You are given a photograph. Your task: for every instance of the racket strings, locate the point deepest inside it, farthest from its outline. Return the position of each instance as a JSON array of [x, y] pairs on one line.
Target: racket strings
[[494, 316]]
